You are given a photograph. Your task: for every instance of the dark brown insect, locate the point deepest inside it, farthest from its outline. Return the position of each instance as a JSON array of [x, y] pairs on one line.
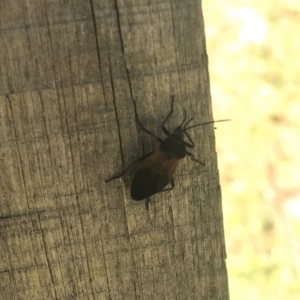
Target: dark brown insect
[[159, 166]]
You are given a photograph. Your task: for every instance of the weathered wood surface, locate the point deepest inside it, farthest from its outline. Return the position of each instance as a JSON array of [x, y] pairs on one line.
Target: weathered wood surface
[[69, 71]]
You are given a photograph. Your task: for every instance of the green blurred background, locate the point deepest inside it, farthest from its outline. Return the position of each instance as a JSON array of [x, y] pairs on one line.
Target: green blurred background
[[254, 50]]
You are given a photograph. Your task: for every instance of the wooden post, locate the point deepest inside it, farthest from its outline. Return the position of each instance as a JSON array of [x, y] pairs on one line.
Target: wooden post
[[69, 71]]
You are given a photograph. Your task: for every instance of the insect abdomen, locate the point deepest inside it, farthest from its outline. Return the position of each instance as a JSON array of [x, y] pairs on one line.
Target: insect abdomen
[[146, 183]]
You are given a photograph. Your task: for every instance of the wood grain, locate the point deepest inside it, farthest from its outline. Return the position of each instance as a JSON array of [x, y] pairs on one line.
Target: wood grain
[[69, 71]]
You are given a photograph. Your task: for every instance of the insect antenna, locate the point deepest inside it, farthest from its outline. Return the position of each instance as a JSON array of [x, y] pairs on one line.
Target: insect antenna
[[185, 128], [186, 124], [184, 117]]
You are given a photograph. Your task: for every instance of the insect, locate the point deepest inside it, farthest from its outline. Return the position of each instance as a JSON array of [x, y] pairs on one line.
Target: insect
[[158, 167]]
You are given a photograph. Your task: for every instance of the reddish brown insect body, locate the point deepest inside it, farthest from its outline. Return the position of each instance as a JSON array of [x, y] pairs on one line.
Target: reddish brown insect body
[[155, 173], [159, 166]]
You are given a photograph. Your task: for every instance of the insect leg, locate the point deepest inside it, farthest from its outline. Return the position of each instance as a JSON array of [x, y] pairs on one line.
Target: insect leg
[[164, 129], [123, 172], [190, 145], [172, 182], [147, 203], [194, 159], [141, 125]]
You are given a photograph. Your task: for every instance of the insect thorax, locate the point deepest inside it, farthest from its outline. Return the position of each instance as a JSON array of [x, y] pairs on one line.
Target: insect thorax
[[173, 147]]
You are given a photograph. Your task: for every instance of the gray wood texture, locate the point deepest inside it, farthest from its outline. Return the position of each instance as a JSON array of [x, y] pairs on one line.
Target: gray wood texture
[[69, 71]]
